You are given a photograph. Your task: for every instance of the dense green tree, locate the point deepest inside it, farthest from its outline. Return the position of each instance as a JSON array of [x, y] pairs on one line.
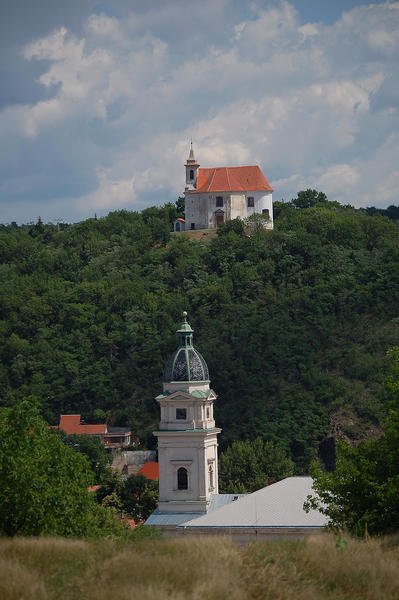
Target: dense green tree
[[134, 496], [139, 496], [252, 464], [308, 198], [362, 493], [235, 225], [392, 212], [294, 323], [91, 447], [43, 483], [180, 206]]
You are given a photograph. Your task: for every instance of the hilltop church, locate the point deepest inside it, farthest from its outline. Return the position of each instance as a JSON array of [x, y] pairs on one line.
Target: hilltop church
[[216, 195], [189, 499]]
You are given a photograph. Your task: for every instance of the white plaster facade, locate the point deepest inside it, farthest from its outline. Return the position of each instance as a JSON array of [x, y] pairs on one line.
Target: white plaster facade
[[187, 439], [201, 210], [214, 196]]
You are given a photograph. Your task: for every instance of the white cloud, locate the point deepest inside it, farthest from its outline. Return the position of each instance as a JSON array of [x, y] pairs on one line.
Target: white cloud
[[105, 27], [315, 105], [109, 193], [337, 178]]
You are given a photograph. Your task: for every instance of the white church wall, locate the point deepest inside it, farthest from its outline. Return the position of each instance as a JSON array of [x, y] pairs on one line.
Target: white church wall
[[238, 206], [196, 211], [201, 208]]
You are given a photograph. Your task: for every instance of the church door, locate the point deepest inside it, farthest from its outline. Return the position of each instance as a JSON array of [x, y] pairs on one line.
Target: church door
[[219, 219]]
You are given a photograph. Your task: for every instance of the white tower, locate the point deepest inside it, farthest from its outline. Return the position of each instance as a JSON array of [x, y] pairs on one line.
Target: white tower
[[187, 436], [191, 170]]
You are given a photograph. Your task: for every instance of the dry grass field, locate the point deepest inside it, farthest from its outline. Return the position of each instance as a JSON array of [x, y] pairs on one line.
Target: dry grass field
[[316, 569]]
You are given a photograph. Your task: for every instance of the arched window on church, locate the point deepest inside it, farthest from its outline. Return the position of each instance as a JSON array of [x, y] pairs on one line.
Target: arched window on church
[[182, 479], [191, 173], [211, 482]]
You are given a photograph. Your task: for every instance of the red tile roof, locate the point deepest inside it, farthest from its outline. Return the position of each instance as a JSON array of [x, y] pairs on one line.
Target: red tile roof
[[129, 522], [150, 470], [231, 179], [71, 425], [93, 488]]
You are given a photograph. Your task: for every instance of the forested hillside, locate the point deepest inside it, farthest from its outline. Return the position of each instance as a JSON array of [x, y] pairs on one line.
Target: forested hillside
[[294, 323]]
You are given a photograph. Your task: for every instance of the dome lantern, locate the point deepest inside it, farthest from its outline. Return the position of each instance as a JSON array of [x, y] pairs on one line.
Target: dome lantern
[[186, 363]]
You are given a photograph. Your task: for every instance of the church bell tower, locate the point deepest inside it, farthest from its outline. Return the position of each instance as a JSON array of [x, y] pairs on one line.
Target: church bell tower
[[187, 436], [191, 170]]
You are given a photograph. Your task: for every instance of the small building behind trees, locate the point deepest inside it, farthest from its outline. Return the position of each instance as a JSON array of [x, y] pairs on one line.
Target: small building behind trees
[[110, 437]]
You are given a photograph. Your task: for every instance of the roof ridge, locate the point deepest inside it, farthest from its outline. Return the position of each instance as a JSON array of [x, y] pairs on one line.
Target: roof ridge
[[227, 175], [229, 167], [213, 175]]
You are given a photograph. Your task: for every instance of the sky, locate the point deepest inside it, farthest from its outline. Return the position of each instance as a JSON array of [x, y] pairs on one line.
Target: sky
[[99, 100]]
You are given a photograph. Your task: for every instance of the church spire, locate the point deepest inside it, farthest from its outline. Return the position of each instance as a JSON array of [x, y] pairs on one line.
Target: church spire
[[191, 158], [191, 169]]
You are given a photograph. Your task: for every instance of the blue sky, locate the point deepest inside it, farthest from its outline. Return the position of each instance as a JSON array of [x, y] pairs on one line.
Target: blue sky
[[99, 100]]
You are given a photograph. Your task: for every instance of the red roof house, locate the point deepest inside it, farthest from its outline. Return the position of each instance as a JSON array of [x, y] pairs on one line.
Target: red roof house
[[111, 437], [218, 194], [150, 470]]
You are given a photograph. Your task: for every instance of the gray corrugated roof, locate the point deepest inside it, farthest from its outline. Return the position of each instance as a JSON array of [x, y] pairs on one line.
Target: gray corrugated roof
[[158, 518], [217, 501], [278, 505]]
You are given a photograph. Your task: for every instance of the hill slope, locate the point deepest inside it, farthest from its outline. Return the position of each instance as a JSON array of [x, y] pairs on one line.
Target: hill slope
[[294, 323]]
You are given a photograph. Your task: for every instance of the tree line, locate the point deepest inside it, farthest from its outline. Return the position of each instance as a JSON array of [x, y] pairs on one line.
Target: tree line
[[294, 323]]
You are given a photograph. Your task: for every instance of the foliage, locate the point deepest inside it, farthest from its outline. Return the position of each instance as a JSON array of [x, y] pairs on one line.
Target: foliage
[[308, 198], [180, 206], [93, 449], [361, 495], [139, 496], [43, 483], [294, 323], [392, 212], [235, 225], [250, 465], [136, 496]]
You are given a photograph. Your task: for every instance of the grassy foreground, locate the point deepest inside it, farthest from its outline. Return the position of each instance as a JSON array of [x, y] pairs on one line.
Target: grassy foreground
[[319, 568]]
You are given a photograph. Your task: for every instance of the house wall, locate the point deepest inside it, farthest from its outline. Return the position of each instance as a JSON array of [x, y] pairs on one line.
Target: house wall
[[200, 209], [243, 535]]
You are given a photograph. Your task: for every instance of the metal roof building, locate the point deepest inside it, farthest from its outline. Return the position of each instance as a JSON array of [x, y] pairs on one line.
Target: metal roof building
[[163, 519], [273, 511]]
